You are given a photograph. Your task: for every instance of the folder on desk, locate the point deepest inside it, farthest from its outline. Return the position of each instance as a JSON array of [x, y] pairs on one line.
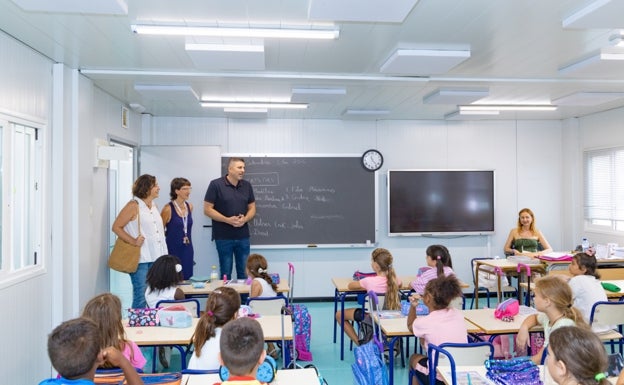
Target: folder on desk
[[555, 256]]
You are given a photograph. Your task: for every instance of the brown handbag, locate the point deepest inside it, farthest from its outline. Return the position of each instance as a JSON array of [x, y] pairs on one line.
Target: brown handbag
[[125, 257]]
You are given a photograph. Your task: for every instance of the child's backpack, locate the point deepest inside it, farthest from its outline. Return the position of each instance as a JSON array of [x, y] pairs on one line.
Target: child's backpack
[[369, 367], [303, 331]]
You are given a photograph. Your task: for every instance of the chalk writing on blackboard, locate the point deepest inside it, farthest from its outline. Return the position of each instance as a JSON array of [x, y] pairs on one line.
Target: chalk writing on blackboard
[[318, 200]]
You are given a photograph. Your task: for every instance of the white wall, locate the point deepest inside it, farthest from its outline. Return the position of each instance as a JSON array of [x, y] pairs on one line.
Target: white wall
[[525, 154], [26, 79]]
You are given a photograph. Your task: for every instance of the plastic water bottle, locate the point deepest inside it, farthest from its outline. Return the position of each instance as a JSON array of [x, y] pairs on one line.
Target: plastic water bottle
[[585, 244], [214, 274]]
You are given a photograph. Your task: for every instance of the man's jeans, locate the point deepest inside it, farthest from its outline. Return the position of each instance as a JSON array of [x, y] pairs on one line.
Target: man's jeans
[[229, 248]]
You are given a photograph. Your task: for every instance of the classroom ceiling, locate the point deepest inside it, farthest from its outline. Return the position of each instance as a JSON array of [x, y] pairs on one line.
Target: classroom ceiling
[[393, 59]]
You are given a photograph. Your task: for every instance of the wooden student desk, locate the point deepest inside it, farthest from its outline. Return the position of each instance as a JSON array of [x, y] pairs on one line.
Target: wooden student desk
[[238, 285], [342, 291], [611, 295], [395, 328], [484, 319], [179, 338], [503, 265], [283, 377]]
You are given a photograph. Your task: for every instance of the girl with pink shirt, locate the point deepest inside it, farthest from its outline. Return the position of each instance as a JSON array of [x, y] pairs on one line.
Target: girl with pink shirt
[[439, 264], [442, 324], [385, 282], [105, 311]]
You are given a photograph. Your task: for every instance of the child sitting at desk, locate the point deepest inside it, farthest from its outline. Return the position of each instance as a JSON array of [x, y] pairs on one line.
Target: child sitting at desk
[[162, 282], [105, 311], [242, 350], [221, 307], [385, 282], [76, 351], [586, 287], [443, 324], [261, 285], [576, 356], [439, 264], [553, 300]]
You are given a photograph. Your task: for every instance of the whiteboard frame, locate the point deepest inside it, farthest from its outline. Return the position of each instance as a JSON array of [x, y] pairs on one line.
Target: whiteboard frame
[[371, 244]]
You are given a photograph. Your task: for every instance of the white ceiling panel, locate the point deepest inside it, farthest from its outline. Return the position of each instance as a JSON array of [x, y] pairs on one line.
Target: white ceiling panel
[[514, 49], [372, 11], [423, 62], [100, 7]]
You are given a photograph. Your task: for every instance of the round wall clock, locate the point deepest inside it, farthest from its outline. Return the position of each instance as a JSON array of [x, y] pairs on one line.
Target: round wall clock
[[372, 160]]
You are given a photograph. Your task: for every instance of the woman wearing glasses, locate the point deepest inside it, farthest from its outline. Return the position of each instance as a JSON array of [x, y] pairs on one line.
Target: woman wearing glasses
[[178, 220]]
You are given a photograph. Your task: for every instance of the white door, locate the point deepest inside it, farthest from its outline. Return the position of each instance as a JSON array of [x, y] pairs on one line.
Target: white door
[[200, 165]]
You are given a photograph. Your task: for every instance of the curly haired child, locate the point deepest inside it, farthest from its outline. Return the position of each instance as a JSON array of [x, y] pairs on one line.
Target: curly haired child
[[221, 307], [443, 324]]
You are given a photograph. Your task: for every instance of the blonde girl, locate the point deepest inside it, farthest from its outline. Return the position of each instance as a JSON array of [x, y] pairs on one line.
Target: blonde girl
[[258, 269], [385, 282], [105, 311], [221, 307], [553, 300]]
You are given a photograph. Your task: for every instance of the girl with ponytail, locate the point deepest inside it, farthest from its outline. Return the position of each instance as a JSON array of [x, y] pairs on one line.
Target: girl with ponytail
[[221, 307], [439, 264]]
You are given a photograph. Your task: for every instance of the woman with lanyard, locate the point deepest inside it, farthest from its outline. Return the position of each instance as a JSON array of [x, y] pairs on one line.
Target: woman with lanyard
[[178, 220]]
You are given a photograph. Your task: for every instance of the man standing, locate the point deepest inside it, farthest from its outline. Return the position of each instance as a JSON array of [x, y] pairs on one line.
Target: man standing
[[230, 203]]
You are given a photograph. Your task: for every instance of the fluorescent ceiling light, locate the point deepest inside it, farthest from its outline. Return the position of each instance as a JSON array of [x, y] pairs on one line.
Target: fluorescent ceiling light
[[479, 112], [217, 104], [365, 112], [224, 47], [280, 33], [246, 110], [612, 56], [507, 107]]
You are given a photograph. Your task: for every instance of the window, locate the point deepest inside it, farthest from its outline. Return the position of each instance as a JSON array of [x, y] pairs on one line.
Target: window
[[20, 199], [604, 189]]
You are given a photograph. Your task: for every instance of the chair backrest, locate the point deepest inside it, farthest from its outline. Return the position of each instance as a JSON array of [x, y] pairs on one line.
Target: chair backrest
[[200, 371], [267, 305], [454, 354], [373, 306], [607, 313], [191, 304]]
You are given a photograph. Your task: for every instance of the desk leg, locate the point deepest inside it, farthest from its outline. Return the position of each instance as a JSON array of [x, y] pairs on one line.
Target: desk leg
[[336, 294], [475, 298], [342, 321], [391, 343]]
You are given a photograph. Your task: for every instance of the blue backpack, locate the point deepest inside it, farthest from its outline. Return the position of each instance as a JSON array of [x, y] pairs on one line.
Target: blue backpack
[[369, 367]]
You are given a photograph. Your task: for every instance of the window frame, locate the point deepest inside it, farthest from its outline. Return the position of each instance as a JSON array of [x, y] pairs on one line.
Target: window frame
[[28, 266], [613, 160]]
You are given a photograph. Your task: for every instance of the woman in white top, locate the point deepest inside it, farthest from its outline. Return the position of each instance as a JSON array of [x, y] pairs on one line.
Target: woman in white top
[[221, 307], [151, 237]]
